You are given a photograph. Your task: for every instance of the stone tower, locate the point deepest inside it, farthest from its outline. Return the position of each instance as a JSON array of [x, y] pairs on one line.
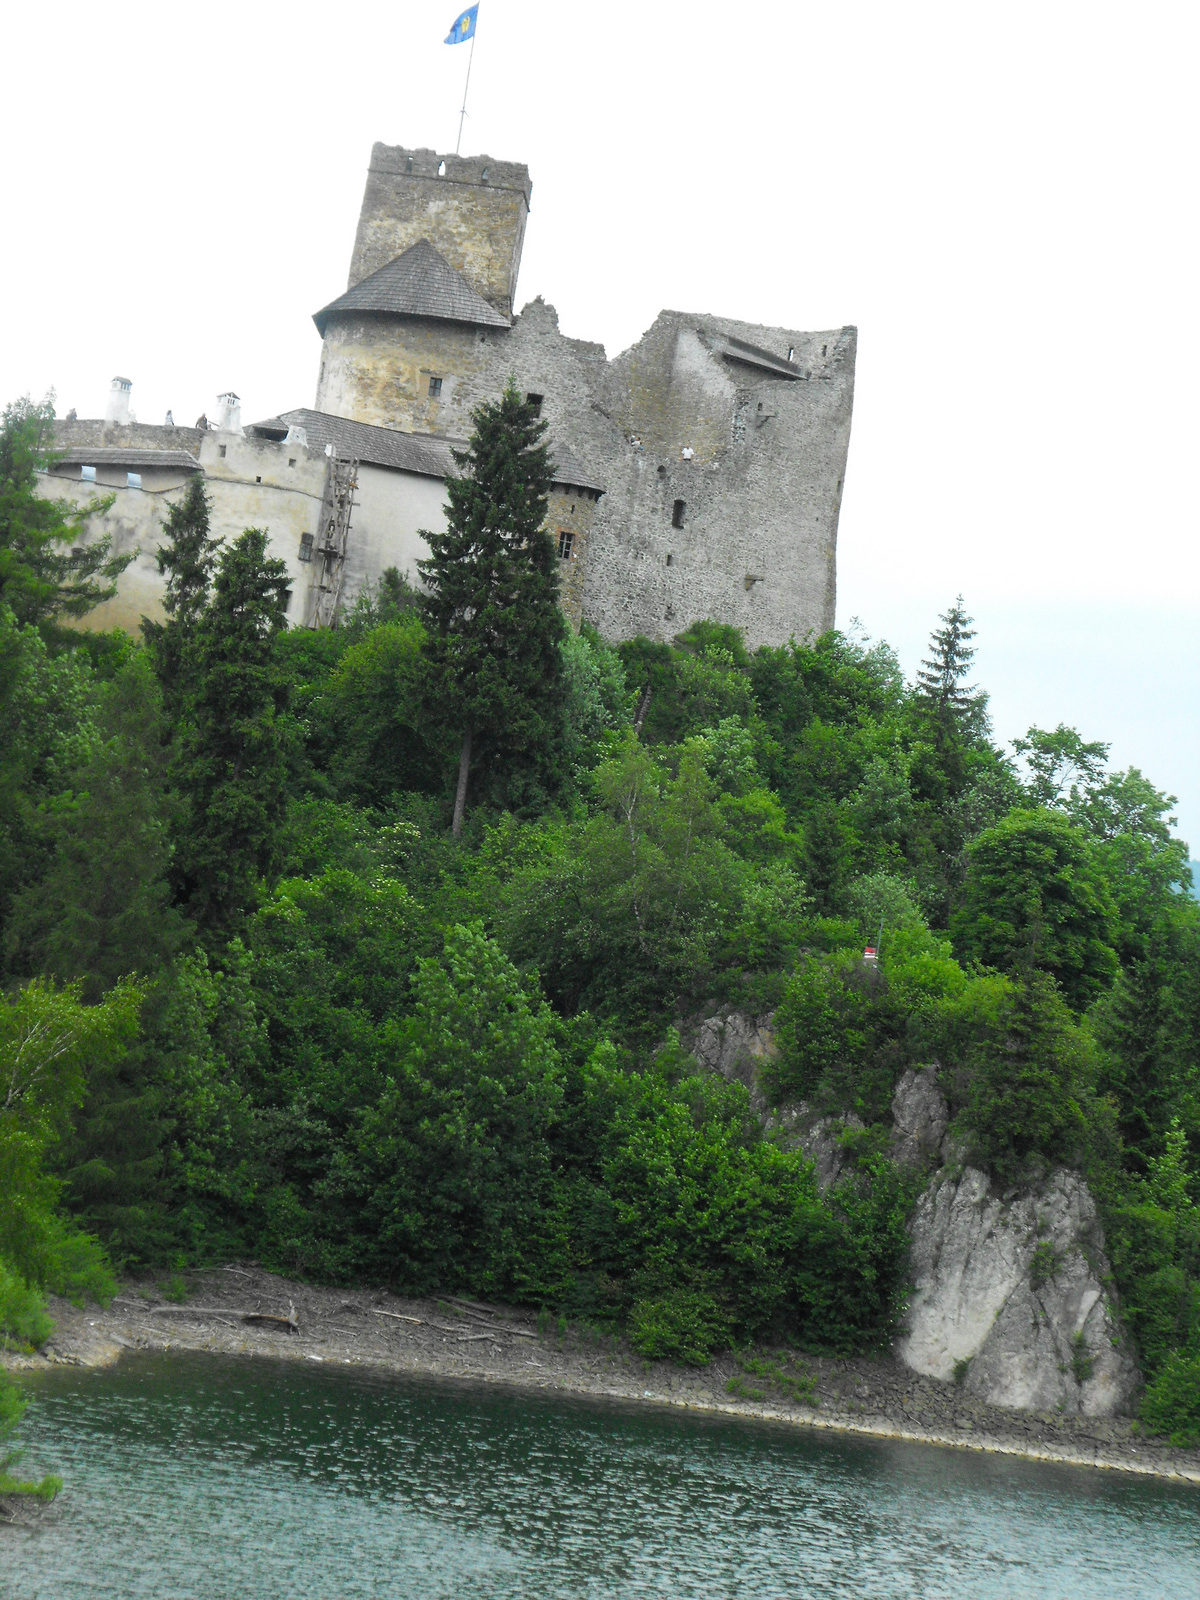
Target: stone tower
[[432, 278]]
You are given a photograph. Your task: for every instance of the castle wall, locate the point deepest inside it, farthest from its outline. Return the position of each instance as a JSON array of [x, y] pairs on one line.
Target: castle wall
[[370, 376], [251, 483], [474, 213]]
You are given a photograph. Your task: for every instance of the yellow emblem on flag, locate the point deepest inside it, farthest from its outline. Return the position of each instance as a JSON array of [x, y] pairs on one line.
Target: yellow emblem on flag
[[463, 24]]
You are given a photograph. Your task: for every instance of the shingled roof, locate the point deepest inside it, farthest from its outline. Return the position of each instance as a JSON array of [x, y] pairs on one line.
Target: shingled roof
[[427, 454], [122, 456], [420, 283]]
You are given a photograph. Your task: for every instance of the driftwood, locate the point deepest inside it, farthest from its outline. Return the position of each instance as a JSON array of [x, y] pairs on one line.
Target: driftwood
[[265, 1319], [397, 1315]]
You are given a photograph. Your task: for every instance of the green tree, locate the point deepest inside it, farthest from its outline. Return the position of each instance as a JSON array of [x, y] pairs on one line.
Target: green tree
[[49, 1043], [1035, 898], [187, 560], [940, 689], [102, 911], [453, 1164], [232, 766], [46, 569], [492, 609]]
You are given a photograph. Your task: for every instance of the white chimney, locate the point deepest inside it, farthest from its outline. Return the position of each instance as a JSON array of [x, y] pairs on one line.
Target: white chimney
[[117, 409], [296, 435], [230, 418]]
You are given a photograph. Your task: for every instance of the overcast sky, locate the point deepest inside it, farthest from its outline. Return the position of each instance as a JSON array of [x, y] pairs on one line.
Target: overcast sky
[[1001, 197]]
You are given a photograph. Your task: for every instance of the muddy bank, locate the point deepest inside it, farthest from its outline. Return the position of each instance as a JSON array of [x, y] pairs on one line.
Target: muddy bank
[[463, 1339]]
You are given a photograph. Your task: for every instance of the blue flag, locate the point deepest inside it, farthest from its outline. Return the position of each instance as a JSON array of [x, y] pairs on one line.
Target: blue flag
[[464, 25]]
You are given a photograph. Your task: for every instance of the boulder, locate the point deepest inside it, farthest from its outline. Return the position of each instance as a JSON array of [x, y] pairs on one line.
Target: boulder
[[1009, 1296]]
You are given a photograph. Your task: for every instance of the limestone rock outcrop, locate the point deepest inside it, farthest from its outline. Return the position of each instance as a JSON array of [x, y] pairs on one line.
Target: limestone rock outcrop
[[735, 1044], [920, 1117], [1009, 1296]]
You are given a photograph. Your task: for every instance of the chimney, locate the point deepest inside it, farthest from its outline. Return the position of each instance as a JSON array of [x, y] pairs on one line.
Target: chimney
[[296, 435], [230, 418], [117, 409]]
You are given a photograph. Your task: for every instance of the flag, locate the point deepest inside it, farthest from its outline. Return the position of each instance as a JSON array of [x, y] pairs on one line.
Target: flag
[[464, 25]]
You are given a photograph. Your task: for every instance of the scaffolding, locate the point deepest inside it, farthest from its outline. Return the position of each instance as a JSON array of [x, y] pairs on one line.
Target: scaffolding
[[330, 551]]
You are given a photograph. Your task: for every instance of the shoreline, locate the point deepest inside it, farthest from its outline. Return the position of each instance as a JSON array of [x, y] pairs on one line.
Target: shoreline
[[454, 1338]]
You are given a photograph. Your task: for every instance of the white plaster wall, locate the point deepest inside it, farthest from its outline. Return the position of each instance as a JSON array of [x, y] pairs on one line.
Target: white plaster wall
[[391, 510]]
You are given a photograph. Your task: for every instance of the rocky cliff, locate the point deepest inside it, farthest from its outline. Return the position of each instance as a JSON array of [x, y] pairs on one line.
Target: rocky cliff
[[1011, 1293]]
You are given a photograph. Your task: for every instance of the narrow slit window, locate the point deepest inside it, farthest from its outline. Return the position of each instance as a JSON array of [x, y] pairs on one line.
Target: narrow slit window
[[534, 402], [677, 513], [566, 541], [221, 449], [435, 388]]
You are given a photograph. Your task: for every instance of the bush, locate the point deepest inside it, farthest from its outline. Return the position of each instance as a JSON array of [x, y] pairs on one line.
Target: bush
[[684, 1325], [1171, 1404], [22, 1311]]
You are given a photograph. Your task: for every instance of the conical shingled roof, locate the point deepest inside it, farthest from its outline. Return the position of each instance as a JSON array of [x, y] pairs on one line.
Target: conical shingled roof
[[420, 283]]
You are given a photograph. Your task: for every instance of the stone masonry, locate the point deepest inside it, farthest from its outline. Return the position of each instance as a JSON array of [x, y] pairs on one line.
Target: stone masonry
[[699, 474]]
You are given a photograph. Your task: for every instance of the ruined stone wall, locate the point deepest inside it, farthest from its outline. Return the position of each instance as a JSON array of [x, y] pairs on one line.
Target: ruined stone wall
[[757, 505], [571, 514], [474, 212]]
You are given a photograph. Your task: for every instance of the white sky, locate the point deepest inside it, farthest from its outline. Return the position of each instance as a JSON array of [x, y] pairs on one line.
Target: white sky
[[1002, 197]]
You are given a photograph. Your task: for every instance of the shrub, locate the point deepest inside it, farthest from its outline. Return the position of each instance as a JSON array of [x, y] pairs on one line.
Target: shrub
[[1171, 1404], [684, 1325]]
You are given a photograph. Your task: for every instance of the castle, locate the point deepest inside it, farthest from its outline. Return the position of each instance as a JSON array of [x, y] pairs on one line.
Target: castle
[[697, 475]]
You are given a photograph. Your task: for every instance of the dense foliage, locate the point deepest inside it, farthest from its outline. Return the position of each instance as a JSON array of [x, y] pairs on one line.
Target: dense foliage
[[280, 1008]]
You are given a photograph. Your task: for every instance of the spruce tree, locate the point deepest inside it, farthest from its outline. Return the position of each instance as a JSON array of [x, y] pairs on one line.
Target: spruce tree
[[103, 909], [187, 560], [495, 625], [939, 682], [233, 757], [46, 570]]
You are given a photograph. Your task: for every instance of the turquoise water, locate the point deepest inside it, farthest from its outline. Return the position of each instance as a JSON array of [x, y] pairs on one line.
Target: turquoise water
[[213, 1476]]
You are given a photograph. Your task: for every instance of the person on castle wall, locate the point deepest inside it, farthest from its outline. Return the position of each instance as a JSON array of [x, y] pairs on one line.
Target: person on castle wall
[[688, 452], [202, 423], [170, 422], [635, 440], [71, 415]]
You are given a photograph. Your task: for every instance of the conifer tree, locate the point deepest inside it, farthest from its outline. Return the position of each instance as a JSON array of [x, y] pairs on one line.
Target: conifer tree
[[495, 625], [103, 909], [939, 682], [187, 559], [233, 758], [46, 571]]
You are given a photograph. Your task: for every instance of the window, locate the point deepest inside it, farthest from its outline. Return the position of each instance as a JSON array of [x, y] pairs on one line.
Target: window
[[258, 479], [670, 559], [565, 540], [306, 546], [534, 402], [133, 480], [291, 461], [441, 169], [435, 388], [221, 449], [677, 514], [88, 474], [791, 352]]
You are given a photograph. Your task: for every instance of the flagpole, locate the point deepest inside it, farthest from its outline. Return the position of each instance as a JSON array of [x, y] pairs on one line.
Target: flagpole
[[467, 85]]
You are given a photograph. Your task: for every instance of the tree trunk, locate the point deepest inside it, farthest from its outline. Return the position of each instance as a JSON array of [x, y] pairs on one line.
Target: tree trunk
[[464, 772], [643, 707]]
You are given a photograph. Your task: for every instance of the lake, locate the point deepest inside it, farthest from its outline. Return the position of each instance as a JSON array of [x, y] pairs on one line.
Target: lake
[[216, 1476]]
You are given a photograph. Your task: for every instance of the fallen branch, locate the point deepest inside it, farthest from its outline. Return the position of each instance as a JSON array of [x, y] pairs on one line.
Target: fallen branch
[[398, 1316], [259, 1318]]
